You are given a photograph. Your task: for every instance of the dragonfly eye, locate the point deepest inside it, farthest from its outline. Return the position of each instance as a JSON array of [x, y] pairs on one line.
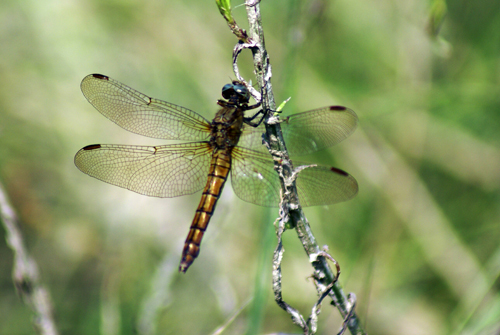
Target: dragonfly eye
[[242, 91], [230, 89], [227, 91]]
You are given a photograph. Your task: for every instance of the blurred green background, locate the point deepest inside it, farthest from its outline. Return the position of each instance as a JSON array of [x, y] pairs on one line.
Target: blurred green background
[[419, 245]]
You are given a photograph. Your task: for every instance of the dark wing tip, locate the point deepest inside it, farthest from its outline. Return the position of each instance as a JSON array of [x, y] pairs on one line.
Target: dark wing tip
[[100, 76], [337, 108], [91, 147], [339, 171]]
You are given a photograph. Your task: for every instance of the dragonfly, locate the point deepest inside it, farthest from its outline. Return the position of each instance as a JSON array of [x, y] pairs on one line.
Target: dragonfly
[[229, 144]]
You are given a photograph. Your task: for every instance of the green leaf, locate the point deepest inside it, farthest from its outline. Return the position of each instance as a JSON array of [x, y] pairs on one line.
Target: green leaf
[[225, 9]]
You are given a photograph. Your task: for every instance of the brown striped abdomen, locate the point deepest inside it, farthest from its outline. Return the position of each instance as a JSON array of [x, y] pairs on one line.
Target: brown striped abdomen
[[217, 176]]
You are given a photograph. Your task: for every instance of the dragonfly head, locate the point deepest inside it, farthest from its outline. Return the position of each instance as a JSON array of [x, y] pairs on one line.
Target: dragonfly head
[[236, 90]]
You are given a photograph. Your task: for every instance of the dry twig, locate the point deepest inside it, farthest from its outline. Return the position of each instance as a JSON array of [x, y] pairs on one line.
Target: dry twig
[[25, 272]]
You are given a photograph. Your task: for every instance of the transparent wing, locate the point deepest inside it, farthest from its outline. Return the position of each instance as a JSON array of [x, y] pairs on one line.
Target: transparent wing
[[324, 185], [253, 177], [307, 132], [251, 138], [254, 180], [161, 171], [141, 114], [318, 129]]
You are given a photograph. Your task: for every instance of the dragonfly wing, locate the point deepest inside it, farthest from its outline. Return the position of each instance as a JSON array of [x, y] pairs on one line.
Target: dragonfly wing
[[307, 132], [253, 177], [254, 180], [162, 171], [251, 138], [141, 114], [324, 185]]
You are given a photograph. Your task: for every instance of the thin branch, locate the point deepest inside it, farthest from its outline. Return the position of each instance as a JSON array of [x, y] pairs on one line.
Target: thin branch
[[313, 319], [291, 213], [297, 318], [25, 272], [225, 10]]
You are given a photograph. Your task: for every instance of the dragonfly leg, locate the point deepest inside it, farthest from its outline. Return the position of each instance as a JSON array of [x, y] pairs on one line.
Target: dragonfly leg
[[248, 120], [253, 106]]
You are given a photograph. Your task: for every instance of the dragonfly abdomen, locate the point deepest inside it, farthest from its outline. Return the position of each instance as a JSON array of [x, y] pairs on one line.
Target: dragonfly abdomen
[[217, 177]]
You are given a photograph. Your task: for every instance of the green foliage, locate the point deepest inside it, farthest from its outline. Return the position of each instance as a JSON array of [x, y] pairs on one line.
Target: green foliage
[[225, 9]]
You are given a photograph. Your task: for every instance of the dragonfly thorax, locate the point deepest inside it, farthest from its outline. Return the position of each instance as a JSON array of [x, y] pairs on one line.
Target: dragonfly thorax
[[227, 127], [228, 122]]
